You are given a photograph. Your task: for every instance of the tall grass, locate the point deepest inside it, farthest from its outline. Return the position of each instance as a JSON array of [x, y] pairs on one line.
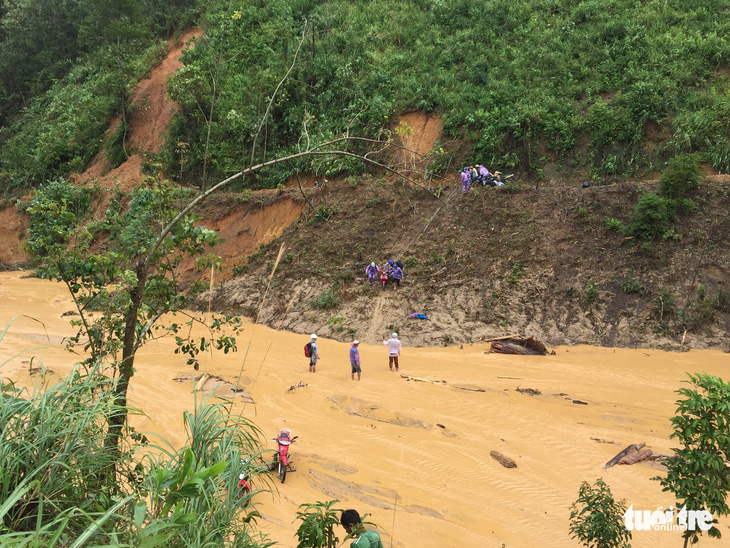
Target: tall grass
[[58, 482], [53, 459]]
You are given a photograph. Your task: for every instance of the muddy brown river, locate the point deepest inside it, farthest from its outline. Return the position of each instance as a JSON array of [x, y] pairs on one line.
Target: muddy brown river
[[414, 455]]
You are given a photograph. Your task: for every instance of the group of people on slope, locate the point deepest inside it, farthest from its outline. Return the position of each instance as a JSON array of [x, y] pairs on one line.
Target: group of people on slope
[[478, 175], [393, 344], [393, 273]]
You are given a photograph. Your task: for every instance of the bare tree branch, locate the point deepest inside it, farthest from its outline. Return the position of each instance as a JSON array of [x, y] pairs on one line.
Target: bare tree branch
[[312, 152]]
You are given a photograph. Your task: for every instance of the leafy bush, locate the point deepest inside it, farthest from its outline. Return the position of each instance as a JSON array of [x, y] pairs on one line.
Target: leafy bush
[[317, 529], [54, 210], [324, 213], [410, 262], [517, 271], [697, 474], [652, 216], [591, 293], [596, 518], [615, 225], [681, 176], [631, 285], [327, 299], [663, 305]]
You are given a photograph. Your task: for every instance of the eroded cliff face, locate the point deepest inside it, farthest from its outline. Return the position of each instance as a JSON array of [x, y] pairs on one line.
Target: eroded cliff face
[[536, 262]]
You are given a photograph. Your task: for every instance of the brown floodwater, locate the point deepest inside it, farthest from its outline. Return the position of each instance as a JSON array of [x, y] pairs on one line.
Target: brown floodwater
[[414, 455]]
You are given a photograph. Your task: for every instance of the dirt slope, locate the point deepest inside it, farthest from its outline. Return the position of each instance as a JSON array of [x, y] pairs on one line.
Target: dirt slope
[[536, 262]]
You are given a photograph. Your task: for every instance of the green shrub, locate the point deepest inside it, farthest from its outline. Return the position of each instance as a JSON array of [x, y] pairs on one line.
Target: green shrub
[[410, 262], [652, 215], [324, 213], [319, 524], [517, 271], [681, 176], [631, 285], [440, 160], [54, 210], [663, 305], [697, 472], [591, 293], [615, 225], [596, 517], [327, 299]]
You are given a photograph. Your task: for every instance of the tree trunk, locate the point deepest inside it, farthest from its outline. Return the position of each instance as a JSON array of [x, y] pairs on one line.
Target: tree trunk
[[118, 417]]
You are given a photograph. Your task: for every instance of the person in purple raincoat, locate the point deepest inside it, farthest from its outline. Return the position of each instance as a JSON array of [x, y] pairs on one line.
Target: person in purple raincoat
[[372, 271], [465, 179]]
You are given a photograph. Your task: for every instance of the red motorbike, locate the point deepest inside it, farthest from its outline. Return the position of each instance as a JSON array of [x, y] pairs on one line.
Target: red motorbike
[[281, 457], [244, 485]]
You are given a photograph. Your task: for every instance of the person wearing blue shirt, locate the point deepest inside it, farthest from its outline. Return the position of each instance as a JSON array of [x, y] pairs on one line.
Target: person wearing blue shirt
[[355, 360]]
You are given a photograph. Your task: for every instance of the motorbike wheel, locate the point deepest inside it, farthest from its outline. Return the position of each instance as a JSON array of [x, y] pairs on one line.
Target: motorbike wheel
[[282, 471]]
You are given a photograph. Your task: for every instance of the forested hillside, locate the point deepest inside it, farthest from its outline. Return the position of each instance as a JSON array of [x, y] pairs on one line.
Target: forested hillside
[[548, 87]]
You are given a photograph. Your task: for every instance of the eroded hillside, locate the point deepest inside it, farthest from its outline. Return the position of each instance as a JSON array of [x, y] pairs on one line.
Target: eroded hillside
[[495, 262]]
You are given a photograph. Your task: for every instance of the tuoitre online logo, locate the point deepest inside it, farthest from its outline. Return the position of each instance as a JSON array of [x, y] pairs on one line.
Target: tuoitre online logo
[[663, 520]]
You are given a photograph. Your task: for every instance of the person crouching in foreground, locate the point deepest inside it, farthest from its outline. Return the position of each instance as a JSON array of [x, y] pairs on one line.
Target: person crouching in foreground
[[364, 538]]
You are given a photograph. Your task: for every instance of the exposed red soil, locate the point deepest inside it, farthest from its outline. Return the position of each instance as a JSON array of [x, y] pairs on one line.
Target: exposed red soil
[[153, 107], [13, 226]]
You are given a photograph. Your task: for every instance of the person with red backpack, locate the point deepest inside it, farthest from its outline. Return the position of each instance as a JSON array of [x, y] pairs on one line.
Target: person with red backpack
[[312, 352]]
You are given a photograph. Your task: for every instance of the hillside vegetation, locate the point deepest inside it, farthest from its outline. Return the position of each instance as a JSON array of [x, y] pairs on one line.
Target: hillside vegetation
[[550, 87]]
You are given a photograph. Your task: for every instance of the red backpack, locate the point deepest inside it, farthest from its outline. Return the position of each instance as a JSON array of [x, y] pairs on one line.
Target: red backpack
[[308, 350]]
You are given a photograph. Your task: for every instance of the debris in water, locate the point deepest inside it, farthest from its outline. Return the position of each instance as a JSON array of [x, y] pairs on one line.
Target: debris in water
[[631, 455], [529, 391], [501, 459], [519, 345]]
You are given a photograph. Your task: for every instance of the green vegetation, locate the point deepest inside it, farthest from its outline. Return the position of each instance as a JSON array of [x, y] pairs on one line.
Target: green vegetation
[[319, 521], [66, 70], [681, 176], [517, 271], [652, 216], [136, 275], [327, 300], [591, 293], [698, 474], [540, 80], [631, 285], [58, 487], [596, 517]]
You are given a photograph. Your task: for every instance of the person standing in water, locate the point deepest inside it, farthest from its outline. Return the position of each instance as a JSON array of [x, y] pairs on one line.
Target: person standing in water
[[313, 353], [355, 360], [393, 351]]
